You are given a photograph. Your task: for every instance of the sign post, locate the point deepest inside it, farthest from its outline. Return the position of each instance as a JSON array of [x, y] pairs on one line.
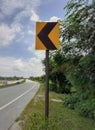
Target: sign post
[[47, 38], [47, 86]]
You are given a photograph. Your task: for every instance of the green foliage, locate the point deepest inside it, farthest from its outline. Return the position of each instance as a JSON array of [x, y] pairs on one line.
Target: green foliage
[[39, 78], [58, 81], [83, 107], [37, 122], [78, 45], [71, 100], [53, 87], [86, 108], [74, 63], [78, 33], [10, 78]]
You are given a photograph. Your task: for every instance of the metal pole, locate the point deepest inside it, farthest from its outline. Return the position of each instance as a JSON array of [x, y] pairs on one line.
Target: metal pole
[[47, 86]]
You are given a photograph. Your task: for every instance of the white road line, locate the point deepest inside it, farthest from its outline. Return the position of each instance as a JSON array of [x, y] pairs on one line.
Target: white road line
[[6, 105]]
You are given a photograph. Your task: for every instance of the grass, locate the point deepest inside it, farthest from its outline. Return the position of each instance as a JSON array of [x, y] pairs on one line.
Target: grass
[[60, 117]]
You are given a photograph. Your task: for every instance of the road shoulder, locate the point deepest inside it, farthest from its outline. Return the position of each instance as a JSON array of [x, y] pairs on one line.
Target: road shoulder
[[15, 126]]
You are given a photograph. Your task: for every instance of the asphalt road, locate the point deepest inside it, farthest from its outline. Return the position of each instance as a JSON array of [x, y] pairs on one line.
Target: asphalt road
[[13, 100]]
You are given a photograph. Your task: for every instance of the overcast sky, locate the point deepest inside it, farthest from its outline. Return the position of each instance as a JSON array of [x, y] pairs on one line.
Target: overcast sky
[[18, 56]]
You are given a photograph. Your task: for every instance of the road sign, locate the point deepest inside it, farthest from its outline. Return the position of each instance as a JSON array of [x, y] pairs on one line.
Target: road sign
[[47, 35], [47, 38]]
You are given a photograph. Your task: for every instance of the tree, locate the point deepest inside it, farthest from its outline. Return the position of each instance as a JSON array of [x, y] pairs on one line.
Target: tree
[[57, 78], [78, 44], [78, 30], [78, 41]]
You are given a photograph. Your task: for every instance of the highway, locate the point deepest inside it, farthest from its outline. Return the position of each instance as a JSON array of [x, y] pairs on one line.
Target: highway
[[13, 101]]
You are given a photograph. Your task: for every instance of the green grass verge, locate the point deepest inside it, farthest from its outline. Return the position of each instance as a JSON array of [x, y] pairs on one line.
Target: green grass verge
[[60, 117]]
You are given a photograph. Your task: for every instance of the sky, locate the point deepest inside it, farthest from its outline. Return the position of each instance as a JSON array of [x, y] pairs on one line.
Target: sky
[[18, 18]]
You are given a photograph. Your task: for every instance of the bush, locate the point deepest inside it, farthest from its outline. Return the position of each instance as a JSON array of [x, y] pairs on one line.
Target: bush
[[66, 89], [86, 108], [71, 100], [53, 87], [83, 108]]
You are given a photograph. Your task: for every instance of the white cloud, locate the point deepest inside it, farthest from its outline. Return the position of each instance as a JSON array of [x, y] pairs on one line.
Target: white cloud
[[34, 16], [40, 54], [19, 67], [18, 64], [9, 7], [7, 34], [54, 19], [19, 9], [30, 48], [31, 32], [16, 27]]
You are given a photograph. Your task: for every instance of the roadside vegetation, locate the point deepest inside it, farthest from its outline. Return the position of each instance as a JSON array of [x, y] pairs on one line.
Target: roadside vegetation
[[72, 67], [60, 117]]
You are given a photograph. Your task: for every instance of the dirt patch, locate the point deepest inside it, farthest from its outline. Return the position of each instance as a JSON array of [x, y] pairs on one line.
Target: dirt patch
[[56, 100]]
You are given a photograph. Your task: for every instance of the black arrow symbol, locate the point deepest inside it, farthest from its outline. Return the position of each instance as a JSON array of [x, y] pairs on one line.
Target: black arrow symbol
[[43, 36]]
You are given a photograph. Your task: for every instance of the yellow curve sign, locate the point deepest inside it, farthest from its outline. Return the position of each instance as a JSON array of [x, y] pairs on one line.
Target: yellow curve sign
[[47, 35]]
